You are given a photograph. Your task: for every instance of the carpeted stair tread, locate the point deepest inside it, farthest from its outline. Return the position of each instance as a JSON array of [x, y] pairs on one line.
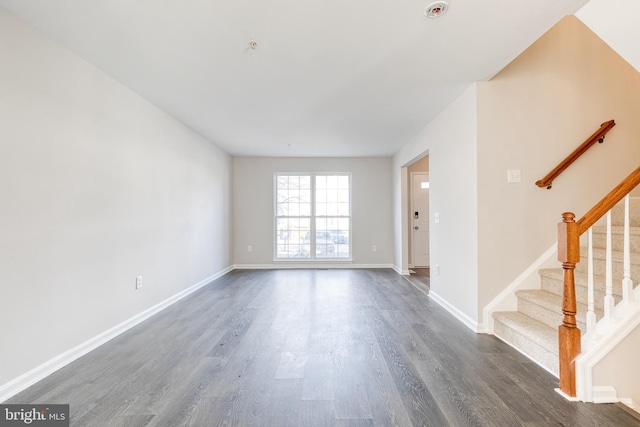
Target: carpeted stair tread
[[617, 213], [533, 329], [601, 254], [617, 238], [616, 229], [546, 308], [581, 278], [542, 334], [535, 339]]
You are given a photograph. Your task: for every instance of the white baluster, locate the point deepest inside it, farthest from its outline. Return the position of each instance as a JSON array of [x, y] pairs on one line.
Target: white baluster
[[591, 314], [609, 302], [627, 284]]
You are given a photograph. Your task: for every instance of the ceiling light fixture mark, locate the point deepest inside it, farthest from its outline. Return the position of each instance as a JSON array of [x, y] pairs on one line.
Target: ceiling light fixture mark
[[253, 44], [436, 9]]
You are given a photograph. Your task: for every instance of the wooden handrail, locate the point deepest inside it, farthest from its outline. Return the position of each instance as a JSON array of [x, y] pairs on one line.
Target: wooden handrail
[[609, 201], [598, 136], [569, 231]]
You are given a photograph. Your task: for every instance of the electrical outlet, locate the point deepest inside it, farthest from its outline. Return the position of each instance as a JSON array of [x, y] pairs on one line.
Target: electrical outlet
[[249, 248], [374, 248], [138, 282], [437, 270]]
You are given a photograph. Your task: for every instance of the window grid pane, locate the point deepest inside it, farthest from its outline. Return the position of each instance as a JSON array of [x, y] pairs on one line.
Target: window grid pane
[[329, 238]]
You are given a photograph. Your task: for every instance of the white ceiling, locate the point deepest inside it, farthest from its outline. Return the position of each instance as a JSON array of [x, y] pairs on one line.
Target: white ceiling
[[615, 22], [327, 78]]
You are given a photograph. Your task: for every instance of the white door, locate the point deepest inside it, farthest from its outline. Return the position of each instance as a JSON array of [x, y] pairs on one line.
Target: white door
[[420, 219]]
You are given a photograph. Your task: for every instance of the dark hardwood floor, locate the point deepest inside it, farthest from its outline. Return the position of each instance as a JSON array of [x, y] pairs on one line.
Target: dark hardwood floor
[[311, 348], [420, 278]]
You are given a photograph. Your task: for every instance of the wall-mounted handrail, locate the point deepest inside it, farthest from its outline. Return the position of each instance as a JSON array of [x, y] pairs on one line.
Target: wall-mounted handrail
[[598, 136], [569, 231]]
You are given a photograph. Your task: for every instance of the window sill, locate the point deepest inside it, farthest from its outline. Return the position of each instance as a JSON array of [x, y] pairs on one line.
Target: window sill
[[314, 260]]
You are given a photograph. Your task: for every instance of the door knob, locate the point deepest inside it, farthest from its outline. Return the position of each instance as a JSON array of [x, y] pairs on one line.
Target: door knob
[[416, 227]]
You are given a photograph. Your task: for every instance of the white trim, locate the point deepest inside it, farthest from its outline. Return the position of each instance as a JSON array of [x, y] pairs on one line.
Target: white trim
[[312, 260], [40, 372], [528, 279], [412, 208], [468, 321], [400, 271], [566, 396], [308, 265], [630, 403], [610, 335], [482, 328], [605, 394]]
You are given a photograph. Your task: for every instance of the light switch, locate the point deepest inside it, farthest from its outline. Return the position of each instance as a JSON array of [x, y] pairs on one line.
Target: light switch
[[436, 217], [513, 176]]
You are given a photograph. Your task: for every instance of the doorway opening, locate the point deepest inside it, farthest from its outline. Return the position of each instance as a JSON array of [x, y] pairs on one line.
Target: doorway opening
[[417, 237]]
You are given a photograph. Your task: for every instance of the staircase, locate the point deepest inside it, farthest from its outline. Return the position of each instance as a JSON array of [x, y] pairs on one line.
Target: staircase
[[533, 329]]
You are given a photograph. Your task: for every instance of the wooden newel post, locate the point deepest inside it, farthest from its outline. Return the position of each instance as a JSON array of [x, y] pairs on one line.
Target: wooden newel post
[[568, 333]]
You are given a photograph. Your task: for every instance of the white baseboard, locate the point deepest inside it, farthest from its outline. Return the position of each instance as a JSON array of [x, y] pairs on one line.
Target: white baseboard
[[400, 271], [566, 396], [308, 265], [605, 394], [631, 404], [468, 321], [40, 372]]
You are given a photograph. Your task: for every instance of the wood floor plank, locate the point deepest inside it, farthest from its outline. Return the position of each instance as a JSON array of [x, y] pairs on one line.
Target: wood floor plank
[[420, 404], [319, 378], [316, 413], [310, 348], [350, 392], [291, 365], [280, 402], [387, 406], [354, 423]]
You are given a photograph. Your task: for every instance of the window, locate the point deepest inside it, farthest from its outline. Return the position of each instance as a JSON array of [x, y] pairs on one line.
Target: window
[[313, 216]]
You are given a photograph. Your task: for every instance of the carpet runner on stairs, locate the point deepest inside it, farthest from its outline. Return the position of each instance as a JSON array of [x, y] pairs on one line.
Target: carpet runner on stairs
[[533, 328]]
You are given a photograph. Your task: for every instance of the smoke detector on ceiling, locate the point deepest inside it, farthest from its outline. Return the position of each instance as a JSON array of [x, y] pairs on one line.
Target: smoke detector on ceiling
[[437, 8]]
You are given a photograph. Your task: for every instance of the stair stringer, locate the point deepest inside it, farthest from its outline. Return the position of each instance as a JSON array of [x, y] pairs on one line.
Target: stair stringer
[[528, 279], [610, 336]]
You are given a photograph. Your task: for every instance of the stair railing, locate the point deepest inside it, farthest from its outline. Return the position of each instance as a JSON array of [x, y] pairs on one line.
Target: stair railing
[[569, 232], [598, 136]]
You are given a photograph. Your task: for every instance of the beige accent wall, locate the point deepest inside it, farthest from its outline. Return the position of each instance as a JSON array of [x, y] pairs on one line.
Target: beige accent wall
[[530, 116], [421, 165]]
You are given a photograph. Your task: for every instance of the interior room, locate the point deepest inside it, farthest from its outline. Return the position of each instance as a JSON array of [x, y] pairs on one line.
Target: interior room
[[222, 213]]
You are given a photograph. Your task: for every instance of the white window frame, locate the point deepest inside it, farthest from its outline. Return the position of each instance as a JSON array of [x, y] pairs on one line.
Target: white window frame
[[312, 218]]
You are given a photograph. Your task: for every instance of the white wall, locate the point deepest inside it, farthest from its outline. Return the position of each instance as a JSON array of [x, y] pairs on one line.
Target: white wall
[[253, 206], [97, 186], [615, 22], [450, 140]]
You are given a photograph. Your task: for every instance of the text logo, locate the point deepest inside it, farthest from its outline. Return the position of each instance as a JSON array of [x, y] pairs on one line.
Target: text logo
[[34, 415]]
